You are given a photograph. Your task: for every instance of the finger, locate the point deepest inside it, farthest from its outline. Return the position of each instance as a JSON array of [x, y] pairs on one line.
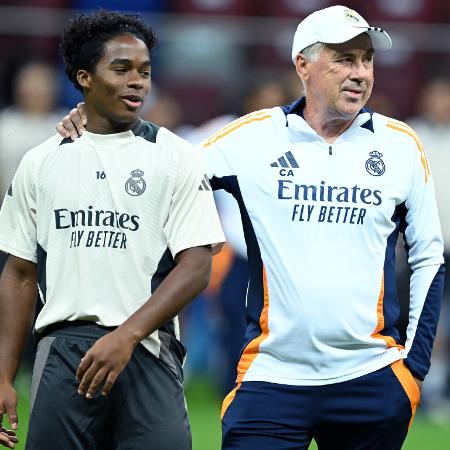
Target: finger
[[76, 119], [82, 112], [112, 377], [84, 365], [6, 431], [87, 379], [70, 126], [96, 382], [62, 131], [6, 441], [11, 435]]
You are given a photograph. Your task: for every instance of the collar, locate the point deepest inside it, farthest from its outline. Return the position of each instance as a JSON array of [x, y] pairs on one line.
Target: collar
[[116, 138], [363, 119]]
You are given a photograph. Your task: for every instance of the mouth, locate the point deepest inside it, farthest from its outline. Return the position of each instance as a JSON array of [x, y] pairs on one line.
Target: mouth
[[132, 101], [354, 92]]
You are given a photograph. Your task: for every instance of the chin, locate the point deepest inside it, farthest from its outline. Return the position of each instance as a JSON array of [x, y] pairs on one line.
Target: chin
[[350, 111], [129, 118]]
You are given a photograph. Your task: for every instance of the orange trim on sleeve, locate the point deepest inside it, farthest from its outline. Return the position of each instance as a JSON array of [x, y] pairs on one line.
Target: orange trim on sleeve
[[251, 351], [261, 112], [234, 126], [410, 132], [409, 385], [390, 342], [228, 399]]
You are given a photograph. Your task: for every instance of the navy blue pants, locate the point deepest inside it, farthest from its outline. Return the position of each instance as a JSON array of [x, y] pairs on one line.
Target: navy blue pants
[[372, 412]]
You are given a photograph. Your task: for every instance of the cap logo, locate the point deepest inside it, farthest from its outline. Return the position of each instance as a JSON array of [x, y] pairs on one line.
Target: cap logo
[[352, 16]]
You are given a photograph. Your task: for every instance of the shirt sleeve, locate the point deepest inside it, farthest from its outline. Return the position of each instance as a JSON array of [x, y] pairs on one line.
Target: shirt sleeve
[[193, 219], [425, 257], [18, 232], [218, 167]]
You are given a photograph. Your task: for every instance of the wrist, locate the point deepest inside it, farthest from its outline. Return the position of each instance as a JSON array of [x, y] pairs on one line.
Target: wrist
[[6, 380], [128, 337]]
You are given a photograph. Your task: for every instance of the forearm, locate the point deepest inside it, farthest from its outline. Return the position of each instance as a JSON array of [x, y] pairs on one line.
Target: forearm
[[426, 283], [189, 277], [18, 293]]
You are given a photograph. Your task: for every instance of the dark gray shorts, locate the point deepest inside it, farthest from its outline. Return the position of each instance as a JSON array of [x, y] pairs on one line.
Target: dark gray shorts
[[145, 410]]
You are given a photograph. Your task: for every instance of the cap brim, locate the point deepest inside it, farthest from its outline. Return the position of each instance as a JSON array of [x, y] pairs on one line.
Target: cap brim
[[380, 39]]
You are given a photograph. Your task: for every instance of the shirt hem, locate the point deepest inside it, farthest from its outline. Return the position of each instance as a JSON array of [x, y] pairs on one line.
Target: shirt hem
[[216, 242], [390, 358], [18, 253]]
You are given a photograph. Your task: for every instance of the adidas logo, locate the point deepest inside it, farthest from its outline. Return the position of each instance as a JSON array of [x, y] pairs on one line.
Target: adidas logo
[[287, 161], [204, 185]]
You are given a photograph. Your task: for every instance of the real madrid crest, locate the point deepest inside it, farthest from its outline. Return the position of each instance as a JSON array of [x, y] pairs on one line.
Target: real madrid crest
[[135, 185], [375, 165]]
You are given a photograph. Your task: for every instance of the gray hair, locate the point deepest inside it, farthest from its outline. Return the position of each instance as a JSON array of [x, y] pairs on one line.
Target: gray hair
[[311, 53]]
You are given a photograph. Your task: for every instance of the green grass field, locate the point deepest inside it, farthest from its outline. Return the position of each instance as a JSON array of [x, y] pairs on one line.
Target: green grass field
[[204, 410]]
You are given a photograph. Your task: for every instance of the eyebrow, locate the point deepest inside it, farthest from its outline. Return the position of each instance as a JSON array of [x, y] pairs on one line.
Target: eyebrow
[[126, 61]]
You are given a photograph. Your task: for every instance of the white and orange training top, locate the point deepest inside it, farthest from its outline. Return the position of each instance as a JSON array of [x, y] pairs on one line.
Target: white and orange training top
[[321, 223]]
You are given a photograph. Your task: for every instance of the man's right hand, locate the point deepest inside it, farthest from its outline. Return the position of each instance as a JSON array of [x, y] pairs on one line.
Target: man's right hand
[[8, 405], [73, 125]]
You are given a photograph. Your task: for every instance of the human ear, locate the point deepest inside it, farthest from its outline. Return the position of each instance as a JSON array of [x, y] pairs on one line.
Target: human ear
[[84, 78], [301, 66]]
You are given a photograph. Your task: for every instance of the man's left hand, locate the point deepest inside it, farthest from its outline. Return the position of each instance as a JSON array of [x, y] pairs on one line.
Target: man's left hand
[[103, 362]]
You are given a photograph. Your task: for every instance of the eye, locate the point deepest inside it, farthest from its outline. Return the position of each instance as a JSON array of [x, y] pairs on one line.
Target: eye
[[120, 69], [145, 73]]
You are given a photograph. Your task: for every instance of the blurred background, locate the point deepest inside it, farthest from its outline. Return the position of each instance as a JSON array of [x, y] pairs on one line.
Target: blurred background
[[216, 60]]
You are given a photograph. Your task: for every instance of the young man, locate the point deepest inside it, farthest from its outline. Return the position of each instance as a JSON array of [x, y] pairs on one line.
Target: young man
[[117, 229], [324, 187]]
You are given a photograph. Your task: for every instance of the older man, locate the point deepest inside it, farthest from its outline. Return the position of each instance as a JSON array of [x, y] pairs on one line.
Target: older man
[[324, 188]]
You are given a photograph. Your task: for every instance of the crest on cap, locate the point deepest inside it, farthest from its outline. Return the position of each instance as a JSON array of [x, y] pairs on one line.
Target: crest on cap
[[352, 16]]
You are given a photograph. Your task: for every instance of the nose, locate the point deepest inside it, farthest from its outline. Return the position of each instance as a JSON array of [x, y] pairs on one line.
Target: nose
[[135, 80], [359, 70]]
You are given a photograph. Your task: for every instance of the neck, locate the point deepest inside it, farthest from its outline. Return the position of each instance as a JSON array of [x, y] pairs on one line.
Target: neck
[[326, 125], [101, 124]]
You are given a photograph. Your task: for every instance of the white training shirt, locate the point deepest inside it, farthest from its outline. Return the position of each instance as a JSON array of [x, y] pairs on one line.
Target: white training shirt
[[104, 217], [321, 222]]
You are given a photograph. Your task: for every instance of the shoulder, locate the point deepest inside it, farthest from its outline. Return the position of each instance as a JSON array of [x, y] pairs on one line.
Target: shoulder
[[147, 130], [49, 146], [244, 126], [401, 138], [396, 129], [174, 142]]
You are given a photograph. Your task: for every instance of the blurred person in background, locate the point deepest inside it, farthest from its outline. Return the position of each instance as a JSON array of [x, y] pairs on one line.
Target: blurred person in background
[[432, 123], [35, 102], [164, 109], [35, 94], [324, 188]]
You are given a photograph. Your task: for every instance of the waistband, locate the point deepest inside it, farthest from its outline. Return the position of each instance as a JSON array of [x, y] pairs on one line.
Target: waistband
[[75, 328]]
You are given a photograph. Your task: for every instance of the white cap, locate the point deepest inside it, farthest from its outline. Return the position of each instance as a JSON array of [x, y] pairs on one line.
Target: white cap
[[335, 25]]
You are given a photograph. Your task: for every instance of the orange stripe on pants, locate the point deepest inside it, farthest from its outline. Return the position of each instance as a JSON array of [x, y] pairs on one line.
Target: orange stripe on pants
[[408, 383]]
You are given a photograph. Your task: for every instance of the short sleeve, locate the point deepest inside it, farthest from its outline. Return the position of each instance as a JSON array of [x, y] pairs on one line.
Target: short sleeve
[[18, 232], [193, 219]]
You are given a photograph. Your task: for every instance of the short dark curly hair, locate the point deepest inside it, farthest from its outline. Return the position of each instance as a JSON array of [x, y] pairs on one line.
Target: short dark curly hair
[[84, 39]]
